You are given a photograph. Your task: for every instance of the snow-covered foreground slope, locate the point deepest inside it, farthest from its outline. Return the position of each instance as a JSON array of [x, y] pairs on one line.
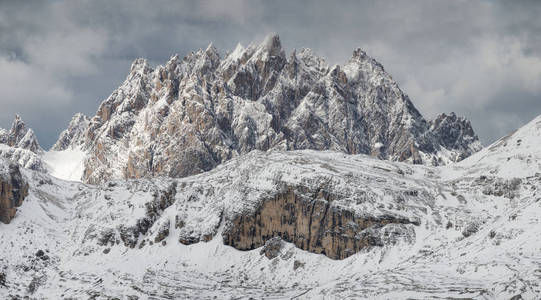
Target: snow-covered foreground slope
[[470, 236], [515, 155]]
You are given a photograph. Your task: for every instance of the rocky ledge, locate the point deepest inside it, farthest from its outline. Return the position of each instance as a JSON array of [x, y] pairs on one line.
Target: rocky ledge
[[13, 190], [309, 220]]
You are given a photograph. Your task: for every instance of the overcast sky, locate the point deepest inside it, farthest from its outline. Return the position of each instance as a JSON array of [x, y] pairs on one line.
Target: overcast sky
[[481, 59]]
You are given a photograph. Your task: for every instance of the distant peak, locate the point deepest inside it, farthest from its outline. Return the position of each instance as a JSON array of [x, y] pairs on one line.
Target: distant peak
[[139, 65], [359, 54], [239, 48], [18, 123], [272, 44], [20, 136], [211, 49]]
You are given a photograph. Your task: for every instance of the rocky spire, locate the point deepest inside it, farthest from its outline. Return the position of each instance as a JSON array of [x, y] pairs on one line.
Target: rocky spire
[[19, 136], [199, 111], [455, 133], [74, 135]]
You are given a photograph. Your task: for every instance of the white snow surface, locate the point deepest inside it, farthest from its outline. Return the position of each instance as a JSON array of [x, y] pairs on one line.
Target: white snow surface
[[67, 164], [498, 259], [515, 155], [24, 157]]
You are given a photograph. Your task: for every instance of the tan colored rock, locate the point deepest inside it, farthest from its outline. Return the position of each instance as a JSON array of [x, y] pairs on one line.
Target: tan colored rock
[[312, 223], [13, 190]]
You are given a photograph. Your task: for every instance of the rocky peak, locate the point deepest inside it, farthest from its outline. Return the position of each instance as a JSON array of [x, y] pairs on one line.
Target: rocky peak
[[74, 135], [19, 136], [140, 66], [194, 113], [206, 61], [272, 45], [454, 132], [259, 69]]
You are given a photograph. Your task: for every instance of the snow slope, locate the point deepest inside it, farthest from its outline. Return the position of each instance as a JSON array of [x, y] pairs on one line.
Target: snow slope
[[66, 164], [515, 155], [472, 240]]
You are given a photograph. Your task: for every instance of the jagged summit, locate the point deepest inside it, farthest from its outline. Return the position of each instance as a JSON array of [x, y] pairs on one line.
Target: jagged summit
[[455, 132], [74, 135], [21, 145], [194, 113], [19, 136]]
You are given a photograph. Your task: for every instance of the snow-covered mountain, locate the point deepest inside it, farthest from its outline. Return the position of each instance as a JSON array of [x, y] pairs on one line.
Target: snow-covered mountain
[[265, 176], [20, 145], [351, 226], [193, 113], [73, 136], [515, 155]]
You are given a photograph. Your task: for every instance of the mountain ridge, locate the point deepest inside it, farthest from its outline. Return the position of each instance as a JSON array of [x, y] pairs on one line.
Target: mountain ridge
[[191, 114]]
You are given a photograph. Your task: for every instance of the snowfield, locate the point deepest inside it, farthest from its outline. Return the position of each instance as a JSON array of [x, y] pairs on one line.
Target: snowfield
[[66, 164], [478, 235]]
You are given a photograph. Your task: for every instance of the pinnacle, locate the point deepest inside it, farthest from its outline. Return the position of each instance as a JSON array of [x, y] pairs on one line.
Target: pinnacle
[[139, 65], [359, 53], [272, 44]]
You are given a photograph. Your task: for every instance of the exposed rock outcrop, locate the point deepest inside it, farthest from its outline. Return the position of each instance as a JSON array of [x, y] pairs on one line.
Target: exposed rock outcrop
[[130, 234], [13, 190], [74, 135], [455, 133], [311, 221], [272, 247], [21, 146], [194, 113], [19, 136]]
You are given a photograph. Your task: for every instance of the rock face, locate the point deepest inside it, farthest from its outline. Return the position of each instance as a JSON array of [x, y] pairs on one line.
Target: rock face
[[193, 113], [20, 137], [455, 133], [73, 136], [21, 146], [313, 223], [272, 247], [13, 190]]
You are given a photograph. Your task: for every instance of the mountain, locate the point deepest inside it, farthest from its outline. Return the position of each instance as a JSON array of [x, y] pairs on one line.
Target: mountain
[[73, 136], [262, 175], [308, 224], [515, 155], [20, 145], [196, 112], [20, 137]]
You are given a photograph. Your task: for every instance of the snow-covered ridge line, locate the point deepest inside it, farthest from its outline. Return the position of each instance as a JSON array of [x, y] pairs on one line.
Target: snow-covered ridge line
[[194, 113], [476, 234]]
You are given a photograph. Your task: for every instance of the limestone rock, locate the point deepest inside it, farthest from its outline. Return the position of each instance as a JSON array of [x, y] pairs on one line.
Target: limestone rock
[[73, 136], [310, 221], [13, 190], [21, 146], [194, 113], [19, 136], [272, 247]]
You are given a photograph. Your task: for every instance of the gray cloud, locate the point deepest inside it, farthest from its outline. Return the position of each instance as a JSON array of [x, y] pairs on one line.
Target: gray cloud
[[481, 59]]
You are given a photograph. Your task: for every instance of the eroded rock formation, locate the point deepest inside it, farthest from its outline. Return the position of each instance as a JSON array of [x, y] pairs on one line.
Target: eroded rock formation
[[194, 113], [311, 221], [13, 190]]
